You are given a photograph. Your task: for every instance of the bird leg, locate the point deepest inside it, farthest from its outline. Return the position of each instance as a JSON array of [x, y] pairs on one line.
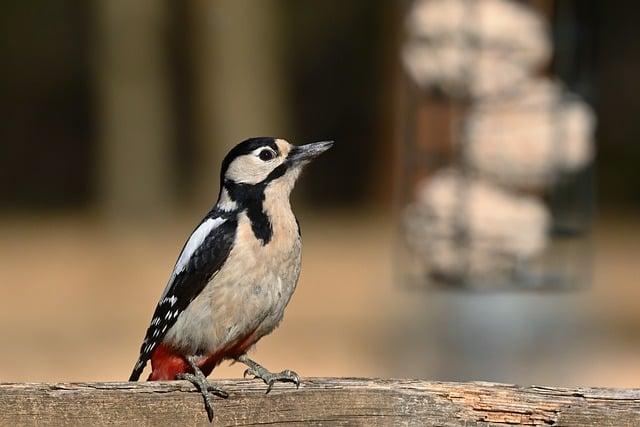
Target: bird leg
[[204, 387], [269, 378]]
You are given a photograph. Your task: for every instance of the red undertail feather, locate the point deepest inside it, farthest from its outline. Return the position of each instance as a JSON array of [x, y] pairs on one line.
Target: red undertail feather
[[167, 363]]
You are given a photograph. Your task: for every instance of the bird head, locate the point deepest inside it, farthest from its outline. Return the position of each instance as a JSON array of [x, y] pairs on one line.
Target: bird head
[[258, 164]]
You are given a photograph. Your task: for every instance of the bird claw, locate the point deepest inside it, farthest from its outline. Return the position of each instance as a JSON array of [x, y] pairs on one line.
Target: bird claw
[[288, 376], [217, 391], [269, 378], [258, 371], [204, 387]]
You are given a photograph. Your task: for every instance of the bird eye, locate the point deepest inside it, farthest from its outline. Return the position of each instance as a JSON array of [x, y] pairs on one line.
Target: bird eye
[[266, 155]]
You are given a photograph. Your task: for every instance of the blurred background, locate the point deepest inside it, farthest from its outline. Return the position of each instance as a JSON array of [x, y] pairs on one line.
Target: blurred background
[[116, 115]]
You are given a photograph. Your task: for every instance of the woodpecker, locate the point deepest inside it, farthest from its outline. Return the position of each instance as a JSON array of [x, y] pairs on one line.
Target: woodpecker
[[235, 274]]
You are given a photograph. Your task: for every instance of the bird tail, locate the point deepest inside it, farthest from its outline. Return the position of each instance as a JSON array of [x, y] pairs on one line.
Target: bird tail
[[137, 370]]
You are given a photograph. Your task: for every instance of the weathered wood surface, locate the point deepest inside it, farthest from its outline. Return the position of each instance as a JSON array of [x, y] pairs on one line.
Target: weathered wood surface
[[319, 401]]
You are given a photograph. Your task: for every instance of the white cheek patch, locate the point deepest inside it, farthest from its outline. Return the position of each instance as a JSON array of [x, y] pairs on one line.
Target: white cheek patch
[[250, 169]]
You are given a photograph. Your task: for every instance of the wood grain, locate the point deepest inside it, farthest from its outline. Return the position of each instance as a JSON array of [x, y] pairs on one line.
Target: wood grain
[[319, 401]]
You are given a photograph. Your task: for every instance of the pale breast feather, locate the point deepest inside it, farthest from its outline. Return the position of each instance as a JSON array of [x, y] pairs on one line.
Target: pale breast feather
[[201, 258]]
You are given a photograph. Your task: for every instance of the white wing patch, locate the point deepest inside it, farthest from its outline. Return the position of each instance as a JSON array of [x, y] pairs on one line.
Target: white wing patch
[[194, 242]]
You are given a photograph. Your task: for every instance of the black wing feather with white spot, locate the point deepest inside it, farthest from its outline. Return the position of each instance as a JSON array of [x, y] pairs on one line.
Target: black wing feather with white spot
[[188, 280]]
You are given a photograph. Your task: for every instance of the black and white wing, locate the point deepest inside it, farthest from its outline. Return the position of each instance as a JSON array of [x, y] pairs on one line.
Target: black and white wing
[[201, 258]]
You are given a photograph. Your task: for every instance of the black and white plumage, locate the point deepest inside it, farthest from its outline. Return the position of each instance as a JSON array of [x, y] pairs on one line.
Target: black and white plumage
[[201, 257], [236, 272]]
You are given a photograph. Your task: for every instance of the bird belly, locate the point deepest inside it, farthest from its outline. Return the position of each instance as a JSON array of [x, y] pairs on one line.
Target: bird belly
[[278, 293], [243, 302]]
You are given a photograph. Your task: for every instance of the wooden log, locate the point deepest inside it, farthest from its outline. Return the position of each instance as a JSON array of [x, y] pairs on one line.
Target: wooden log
[[319, 401]]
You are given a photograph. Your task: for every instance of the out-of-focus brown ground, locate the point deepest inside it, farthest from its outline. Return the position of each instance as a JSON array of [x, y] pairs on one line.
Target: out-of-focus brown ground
[[77, 297]]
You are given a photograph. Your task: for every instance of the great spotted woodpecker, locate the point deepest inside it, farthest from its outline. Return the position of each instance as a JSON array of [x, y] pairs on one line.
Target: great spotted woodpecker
[[236, 272]]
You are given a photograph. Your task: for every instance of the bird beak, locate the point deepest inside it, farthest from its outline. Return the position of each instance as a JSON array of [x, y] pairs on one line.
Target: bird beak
[[308, 152]]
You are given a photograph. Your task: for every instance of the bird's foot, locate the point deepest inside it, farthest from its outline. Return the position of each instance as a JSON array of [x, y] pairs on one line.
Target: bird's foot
[[269, 378], [204, 387]]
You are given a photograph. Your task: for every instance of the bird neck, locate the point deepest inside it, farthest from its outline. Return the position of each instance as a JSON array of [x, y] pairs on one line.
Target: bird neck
[[267, 208]]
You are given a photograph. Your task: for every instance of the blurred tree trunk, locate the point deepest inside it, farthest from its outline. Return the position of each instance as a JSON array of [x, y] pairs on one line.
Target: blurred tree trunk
[[239, 88], [545, 7], [133, 107]]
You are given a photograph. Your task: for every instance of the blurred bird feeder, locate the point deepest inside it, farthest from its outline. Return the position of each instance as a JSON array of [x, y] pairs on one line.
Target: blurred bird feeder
[[495, 188]]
